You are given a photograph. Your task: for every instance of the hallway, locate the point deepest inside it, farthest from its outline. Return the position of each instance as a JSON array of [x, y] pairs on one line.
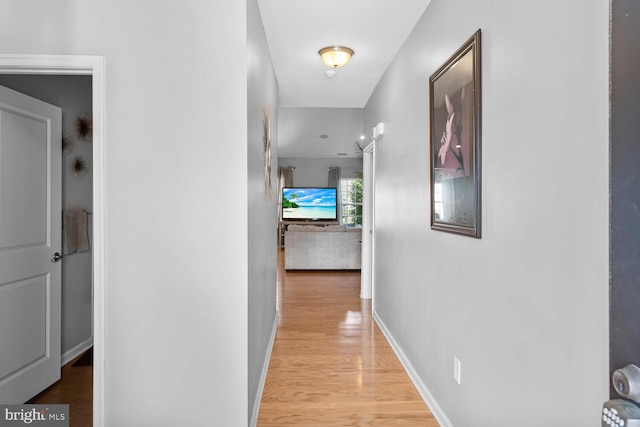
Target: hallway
[[331, 364]]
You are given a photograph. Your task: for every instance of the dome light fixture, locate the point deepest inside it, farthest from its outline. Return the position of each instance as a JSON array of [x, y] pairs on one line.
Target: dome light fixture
[[335, 56]]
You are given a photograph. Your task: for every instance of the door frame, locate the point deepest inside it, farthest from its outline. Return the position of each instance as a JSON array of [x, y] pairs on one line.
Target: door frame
[[95, 67], [368, 220]]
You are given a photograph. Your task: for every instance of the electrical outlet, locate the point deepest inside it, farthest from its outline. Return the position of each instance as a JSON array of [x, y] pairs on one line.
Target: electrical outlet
[[456, 369]]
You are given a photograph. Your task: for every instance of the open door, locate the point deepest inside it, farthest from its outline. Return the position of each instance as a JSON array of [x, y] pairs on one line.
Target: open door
[[30, 242]]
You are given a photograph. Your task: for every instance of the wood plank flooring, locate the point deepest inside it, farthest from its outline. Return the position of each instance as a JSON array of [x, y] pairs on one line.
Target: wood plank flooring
[[331, 365], [75, 388]]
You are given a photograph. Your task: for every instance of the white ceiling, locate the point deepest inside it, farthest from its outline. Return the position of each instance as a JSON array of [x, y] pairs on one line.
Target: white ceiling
[[297, 29], [319, 132]]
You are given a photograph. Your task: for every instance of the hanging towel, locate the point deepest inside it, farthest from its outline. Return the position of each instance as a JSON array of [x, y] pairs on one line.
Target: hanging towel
[[75, 231]]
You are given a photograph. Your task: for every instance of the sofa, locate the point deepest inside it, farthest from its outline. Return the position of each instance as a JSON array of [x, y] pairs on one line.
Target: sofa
[[331, 247]]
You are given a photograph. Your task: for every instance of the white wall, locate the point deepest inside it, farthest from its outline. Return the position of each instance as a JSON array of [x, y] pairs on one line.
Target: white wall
[[263, 219], [313, 172], [176, 179], [73, 95], [525, 308]]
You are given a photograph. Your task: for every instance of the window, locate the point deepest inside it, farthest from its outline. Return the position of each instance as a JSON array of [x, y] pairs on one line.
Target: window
[[438, 203], [351, 200]]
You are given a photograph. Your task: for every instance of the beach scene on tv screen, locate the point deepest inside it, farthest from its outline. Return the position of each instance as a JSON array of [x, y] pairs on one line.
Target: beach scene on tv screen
[[309, 203]]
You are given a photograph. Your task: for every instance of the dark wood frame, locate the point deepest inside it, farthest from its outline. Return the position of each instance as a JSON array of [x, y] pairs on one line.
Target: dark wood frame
[[465, 179]]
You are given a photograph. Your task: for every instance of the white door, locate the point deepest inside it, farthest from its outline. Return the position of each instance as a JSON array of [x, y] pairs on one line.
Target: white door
[[30, 237]]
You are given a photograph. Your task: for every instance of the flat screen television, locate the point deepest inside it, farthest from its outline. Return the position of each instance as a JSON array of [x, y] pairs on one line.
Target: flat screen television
[[309, 204]]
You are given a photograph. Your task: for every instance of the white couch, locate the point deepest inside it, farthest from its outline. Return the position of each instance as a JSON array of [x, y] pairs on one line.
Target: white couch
[[334, 247]]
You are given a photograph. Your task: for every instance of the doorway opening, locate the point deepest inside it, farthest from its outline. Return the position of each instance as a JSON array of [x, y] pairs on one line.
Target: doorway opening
[[92, 66], [368, 221]]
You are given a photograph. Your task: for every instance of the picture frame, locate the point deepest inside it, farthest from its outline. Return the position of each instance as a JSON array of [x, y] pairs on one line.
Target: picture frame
[[455, 139]]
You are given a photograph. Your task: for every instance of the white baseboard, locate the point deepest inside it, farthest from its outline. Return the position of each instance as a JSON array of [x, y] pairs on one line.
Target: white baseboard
[[76, 351], [263, 376], [428, 398]]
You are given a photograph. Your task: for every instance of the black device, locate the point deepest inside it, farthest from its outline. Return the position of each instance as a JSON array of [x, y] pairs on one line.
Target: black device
[[620, 413]]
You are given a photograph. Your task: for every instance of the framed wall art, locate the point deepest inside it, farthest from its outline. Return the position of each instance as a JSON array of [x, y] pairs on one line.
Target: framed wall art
[[455, 125], [266, 151]]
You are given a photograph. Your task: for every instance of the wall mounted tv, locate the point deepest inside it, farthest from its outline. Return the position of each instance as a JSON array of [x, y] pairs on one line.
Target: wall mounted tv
[[309, 204]]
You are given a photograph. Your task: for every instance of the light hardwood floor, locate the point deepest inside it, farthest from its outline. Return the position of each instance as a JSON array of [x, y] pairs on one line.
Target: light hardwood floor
[[331, 365]]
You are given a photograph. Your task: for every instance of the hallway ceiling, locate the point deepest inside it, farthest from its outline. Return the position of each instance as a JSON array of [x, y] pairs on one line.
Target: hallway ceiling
[[297, 29]]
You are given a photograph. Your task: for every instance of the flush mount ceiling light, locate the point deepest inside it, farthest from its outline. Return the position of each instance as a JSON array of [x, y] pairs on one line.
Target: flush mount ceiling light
[[335, 56]]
